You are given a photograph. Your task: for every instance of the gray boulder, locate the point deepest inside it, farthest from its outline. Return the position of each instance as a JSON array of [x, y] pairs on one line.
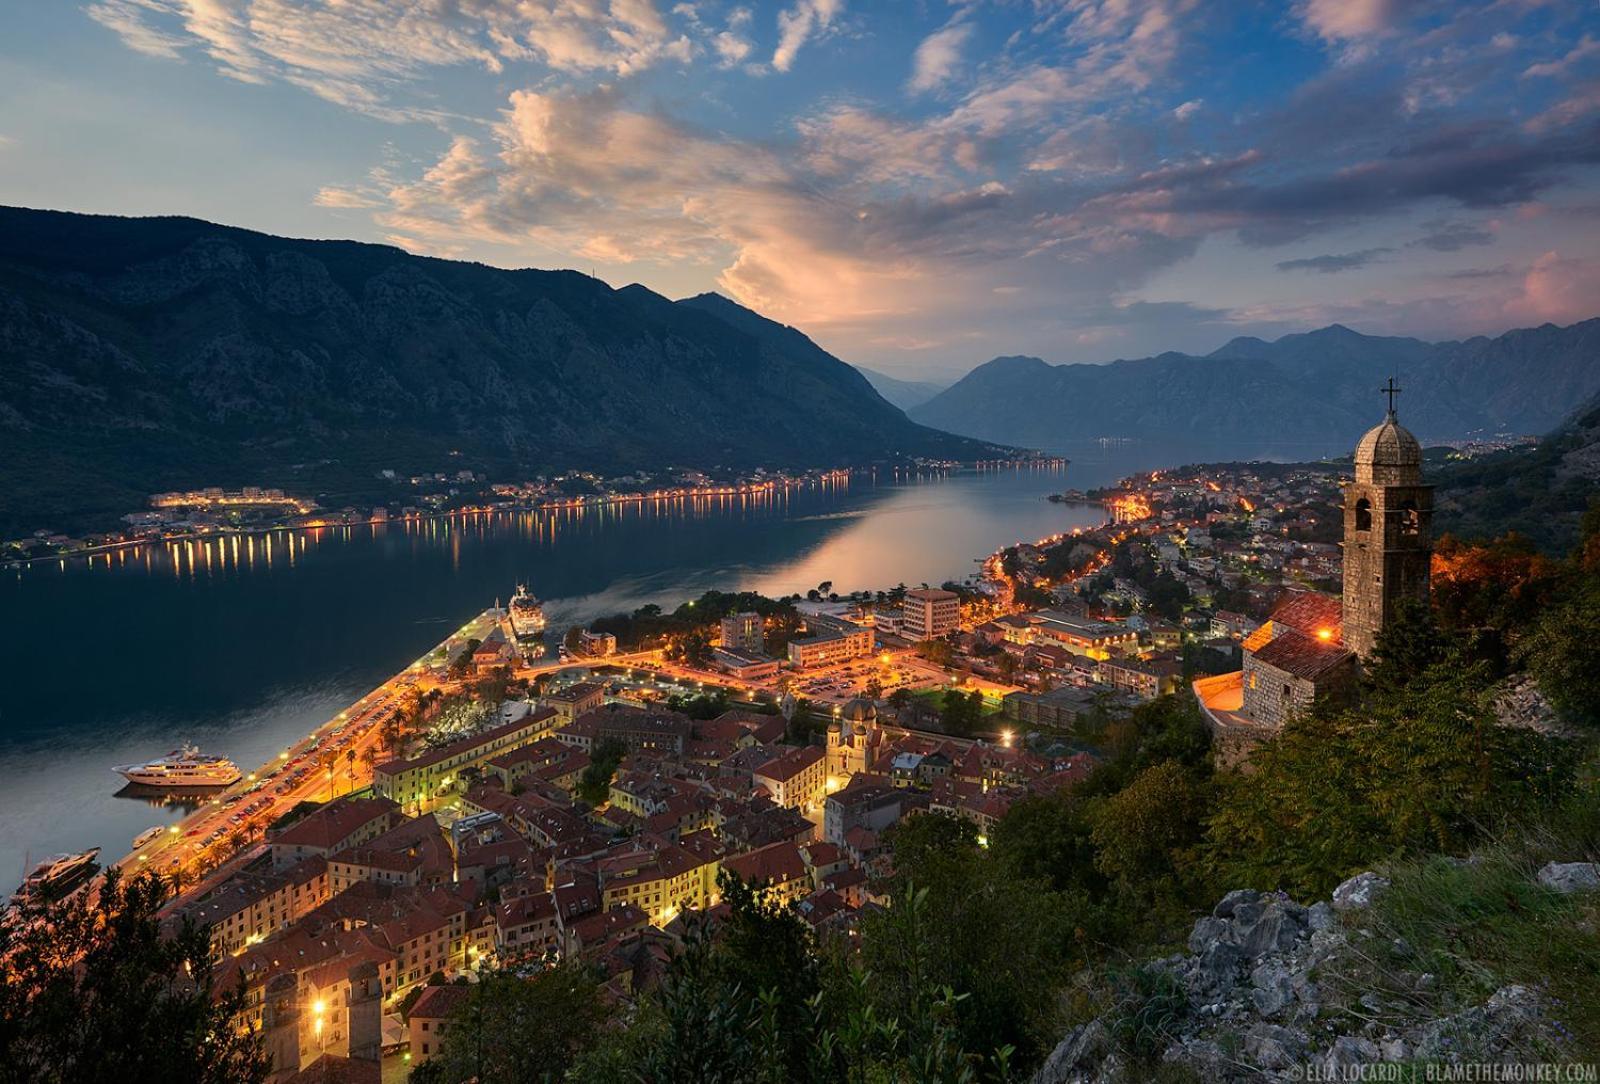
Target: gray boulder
[[1268, 1046], [1273, 989], [1348, 1053], [1569, 877], [1078, 1057], [1225, 906], [1359, 892]]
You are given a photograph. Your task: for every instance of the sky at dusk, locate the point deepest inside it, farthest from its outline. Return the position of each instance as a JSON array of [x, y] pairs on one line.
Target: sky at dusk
[[919, 186]]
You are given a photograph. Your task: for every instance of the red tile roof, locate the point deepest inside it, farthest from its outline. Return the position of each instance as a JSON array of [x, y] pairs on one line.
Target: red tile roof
[[1301, 656], [438, 1002], [334, 823], [778, 863], [1308, 613]]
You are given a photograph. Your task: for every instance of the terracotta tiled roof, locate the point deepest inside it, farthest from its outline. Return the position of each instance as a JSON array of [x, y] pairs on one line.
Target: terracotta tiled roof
[[334, 823], [779, 863], [1308, 612], [1301, 656], [438, 1002]]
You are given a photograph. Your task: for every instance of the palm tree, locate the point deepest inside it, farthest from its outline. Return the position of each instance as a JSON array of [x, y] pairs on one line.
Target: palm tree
[[326, 759], [350, 761]]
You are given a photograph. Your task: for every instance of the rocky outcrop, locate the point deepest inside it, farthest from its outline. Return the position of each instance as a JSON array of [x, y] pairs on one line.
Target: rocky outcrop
[[1519, 702], [1569, 877], [1274, 990]]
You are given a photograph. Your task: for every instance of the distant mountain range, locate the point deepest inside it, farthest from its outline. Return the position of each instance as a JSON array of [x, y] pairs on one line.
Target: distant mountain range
[[904, 394], [1317, 386], [142, 354]]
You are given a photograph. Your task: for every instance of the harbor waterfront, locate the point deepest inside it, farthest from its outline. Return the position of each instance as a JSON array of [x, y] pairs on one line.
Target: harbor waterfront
[[247, 646]]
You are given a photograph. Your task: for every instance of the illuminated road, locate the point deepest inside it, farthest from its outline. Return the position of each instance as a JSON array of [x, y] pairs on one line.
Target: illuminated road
[[316, 768]]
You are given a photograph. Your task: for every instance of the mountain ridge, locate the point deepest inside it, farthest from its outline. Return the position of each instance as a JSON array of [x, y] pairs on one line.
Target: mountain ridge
[[1317, 385], [140, 354], [904, 394]]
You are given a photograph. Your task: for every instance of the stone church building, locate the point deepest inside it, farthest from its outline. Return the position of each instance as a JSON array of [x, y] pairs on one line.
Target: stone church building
[[1311, 647]]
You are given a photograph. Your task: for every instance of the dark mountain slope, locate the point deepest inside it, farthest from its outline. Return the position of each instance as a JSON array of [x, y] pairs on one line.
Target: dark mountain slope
[[143, 354], [1541, 492]]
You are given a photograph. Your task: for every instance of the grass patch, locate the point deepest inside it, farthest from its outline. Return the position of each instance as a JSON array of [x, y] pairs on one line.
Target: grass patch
[[934, 699], [1485, 923]]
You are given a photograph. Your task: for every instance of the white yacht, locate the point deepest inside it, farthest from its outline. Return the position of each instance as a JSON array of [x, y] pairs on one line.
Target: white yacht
[[56, 876], [180, 769]]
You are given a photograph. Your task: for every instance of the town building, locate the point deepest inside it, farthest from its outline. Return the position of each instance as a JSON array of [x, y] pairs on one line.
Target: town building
[[744, 632], [418, 782], [597, 645], [332, 827], [429, 1017], [833, 641], [929, 613], [1080, 635], [744, 664], [574, 700]]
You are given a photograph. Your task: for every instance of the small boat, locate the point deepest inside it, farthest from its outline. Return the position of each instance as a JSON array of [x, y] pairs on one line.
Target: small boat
[[181, 769], [147, 835], [56, 876]]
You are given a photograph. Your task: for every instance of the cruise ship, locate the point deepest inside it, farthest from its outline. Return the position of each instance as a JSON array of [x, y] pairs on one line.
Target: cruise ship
[[56, 876], [527, 616], [181, 769]]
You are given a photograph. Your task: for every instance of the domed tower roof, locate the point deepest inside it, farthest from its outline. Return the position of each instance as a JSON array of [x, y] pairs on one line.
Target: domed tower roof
[[859, 710], [1389, 455]]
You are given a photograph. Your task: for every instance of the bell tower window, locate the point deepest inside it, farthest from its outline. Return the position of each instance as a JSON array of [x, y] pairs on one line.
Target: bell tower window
[[1363, 515], [1410, 520]]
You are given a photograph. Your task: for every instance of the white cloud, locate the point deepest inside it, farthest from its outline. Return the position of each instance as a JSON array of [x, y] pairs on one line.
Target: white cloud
[[357, 53], [341, 198], [798, 24], [1347, 20], [1587, 46], [127, 20], [936, 58], [1188, 109]]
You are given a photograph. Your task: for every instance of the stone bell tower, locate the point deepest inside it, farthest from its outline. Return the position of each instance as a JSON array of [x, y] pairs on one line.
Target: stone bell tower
[[1388, 530]]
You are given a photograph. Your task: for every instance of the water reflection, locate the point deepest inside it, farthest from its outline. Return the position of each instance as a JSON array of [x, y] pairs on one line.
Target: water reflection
[[244, 644]]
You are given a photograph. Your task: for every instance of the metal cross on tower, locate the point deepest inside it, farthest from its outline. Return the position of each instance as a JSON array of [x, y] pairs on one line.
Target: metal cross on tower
[[1391, 389]]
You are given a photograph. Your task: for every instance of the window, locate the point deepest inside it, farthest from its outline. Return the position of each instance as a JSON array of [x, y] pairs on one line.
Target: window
[[1410, 520], [1363, 515]]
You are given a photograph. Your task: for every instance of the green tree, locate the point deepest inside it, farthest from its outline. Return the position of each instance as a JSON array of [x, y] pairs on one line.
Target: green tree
[[1000, 943], [95, 991], [1563, 652], [961, 713], [1144, 834], [515, 1030], [1410, 644], [1427, 768], [595, 782]]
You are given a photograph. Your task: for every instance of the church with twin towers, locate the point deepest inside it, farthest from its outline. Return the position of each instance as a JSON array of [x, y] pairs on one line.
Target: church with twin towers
[[1313, 645]]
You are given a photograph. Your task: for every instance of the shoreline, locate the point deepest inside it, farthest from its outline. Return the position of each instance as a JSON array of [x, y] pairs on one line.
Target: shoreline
[[656, 496]]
